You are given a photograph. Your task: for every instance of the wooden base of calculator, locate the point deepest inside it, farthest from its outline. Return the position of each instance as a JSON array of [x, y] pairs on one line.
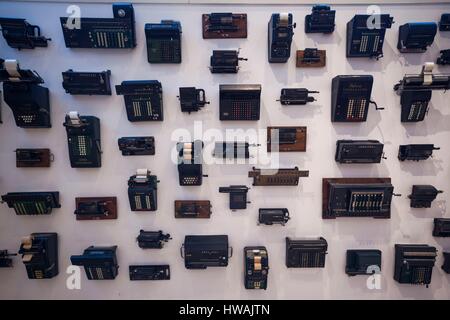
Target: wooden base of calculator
[[203, 206], [298, 146], [110, 203], [301, 64], [277, 177], [239, 20]]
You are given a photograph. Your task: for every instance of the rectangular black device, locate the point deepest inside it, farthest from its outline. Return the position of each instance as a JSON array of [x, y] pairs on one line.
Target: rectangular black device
[[19, 34], [152, 239], [143, 100], [137, 146], [270, 216], [306, 253], [202, 251], [22, 92], [83, 138], [414, 263], [359, 151], [444, 23], [142, 191], [87, 83], [238, 196], [5, 259], [321, 19], [280, 32], [415, 152], [423, 195], [359, 262], [414, 105], [225, 61], [33, 158], [256, 267], [441, 227], [40, 255], [350, 98], [106, 33], [296, 96], [240, 101], [32, 203], [149, 272], [192, 99], [365, 35], [163, 41], [190, 159], [356, 197], [415, 37], [100, 263]]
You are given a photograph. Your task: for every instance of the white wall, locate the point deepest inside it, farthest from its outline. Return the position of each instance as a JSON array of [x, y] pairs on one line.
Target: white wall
[[304, 202]]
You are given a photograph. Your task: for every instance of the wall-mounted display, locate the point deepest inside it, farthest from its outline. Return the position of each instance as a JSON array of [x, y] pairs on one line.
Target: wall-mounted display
[[193, 209], [83, 139], [33, 158], [416, 37], [101, 33], [224, 25], [96, 208], [415, 92], [163, 41], [40, 255], [350, 98], [100, 263], [356, 197], [277, 177], [87, 83], [256, 264], [203, 251], [414, 263], [280, 34], [306, 253], [143, 100], [19, 34], [271, 216], [365, 35], [225, 61], [32, 203], [363, 262], [359, 151], [142, 191], [23, 93], [192, 99], [321, 19], [244, 135], [311, 58]]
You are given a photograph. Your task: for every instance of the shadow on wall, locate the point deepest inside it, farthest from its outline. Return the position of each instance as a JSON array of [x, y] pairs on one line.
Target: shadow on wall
[[434, 122], [429, 167]]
